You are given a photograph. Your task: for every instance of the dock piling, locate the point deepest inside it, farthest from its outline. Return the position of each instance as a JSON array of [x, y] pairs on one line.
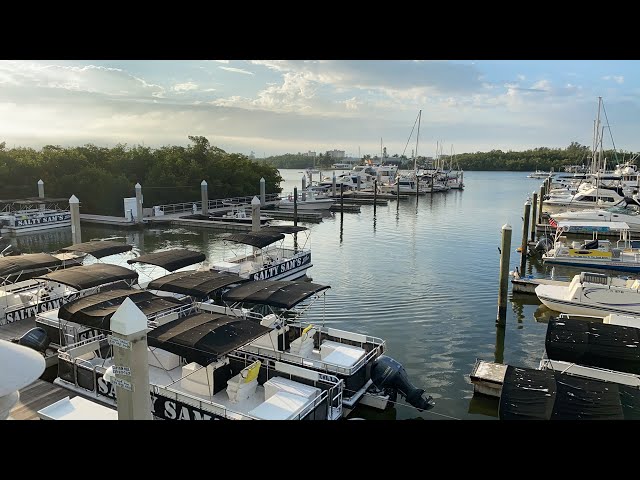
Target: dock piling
[[304, 188], [540, 200], [333, 185], [41, 192], [534, 216], [398, 194], [525, 236], [255, 214], [295, 206], [74, 207], [205, 198], [358, 183], [505, 253], [375, 195], [263, 196], [341, 198], [139, 203]]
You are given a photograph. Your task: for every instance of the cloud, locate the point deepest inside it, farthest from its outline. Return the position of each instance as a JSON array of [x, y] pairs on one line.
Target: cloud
[[222, 61], [615, 78], [184, 87], [236, 70]]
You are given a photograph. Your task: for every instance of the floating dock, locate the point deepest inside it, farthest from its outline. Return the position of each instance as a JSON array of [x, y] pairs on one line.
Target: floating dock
[[487, 378], [107, 220], [528, 285], [303, 216], [348, 208]]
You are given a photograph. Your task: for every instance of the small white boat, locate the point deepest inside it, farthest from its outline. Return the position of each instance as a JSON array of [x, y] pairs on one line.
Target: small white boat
[[589, 198], [540, 174]]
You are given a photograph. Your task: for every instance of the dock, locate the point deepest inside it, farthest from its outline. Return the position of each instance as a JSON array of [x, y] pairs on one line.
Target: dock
[[303, 215], [487, 378], [35, 397], [528, 285], [107, 220], [348, 208]]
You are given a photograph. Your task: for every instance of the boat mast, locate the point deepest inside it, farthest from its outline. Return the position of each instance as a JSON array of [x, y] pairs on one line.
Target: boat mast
[[415, 157]]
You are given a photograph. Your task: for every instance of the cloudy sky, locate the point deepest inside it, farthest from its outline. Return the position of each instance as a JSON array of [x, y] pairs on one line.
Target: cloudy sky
[[290, 106]]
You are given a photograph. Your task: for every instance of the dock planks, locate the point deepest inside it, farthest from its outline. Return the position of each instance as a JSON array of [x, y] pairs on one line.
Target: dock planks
[[35, 397]]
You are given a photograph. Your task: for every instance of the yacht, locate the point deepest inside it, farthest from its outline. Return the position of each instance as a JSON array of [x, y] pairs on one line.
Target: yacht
[[628, 211]]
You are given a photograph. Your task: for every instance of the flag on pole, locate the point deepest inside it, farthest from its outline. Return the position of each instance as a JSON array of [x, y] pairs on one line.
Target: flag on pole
[[552, 222]]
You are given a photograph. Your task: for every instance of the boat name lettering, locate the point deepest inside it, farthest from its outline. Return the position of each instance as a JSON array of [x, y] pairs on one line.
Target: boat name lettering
[[119, 342], [168, 409], [39, 220], [41, 307], [106, 389], [282, 268]]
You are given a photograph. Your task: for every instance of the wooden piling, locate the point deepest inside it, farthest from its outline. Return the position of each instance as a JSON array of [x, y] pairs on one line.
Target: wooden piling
[[375, 195], [525, 236], [540, 200], [534, 216], [295, 206], [505, 253]]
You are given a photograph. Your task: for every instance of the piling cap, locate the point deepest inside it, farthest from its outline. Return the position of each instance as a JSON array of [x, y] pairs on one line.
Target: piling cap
[[506, 226], [255, 201], [40, 182], [138, 186], [203, 183], [128, 319], [74, 199], [262, 180]]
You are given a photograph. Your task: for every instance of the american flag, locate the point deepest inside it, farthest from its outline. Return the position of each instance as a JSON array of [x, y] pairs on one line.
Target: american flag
[[552, 222]]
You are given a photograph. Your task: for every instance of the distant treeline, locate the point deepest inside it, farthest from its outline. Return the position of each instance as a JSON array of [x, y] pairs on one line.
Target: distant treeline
[[542, 158], [101, 177]]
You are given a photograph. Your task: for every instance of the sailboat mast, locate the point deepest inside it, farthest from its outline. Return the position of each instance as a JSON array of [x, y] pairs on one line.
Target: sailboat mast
[[415, 158]]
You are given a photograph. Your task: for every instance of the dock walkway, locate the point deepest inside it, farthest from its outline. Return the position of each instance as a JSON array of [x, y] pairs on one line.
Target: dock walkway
[[35, 397]]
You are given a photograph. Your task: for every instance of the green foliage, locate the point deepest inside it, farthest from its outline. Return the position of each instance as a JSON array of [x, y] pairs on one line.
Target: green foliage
[[101, 177]]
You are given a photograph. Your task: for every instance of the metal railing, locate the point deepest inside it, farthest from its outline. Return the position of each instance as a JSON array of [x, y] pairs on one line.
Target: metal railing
[[214, 204]]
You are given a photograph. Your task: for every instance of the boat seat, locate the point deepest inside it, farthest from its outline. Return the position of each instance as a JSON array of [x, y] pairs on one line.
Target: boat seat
[[281, 384], [162, 359], [340, 354], [199, 379], [303, 345], [244, 384], [281, 406]]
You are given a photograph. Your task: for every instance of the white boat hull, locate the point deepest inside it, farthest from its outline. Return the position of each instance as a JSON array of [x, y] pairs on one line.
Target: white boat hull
[[597, 302]]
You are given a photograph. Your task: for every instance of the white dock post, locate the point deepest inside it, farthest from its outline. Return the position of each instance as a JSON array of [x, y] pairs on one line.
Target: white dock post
[[131, 367], [74, 207], [333, 185], [255, 214], [205, 198], [525, 236], [304, 188], [505, 252], [139, 203], [263, 197], [41, 192]]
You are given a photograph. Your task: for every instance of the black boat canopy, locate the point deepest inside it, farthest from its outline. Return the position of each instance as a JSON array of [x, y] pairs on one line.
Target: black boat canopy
[[99, 248], [259, 239], [283, 229], [88, 276], [199, 284], [203, 337], [28, 261], [276, 293], [171, 259], [35, 200], [96, 310], [529, 394], [594, 344]]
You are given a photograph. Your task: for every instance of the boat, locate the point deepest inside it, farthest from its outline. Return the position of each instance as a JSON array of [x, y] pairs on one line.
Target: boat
[[593, 294], [25, 288], [268, 257], [18, 216], [307, 200], [628, 211], [354, 358], [588, 198], [597, 252], [21, 367], [341, 166], [237, 214], [156, 264], [540, 174]]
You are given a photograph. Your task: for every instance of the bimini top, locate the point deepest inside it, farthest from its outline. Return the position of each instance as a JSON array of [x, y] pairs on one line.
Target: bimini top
[[199, 284], [99, 248], [259, 239], [96, 310], [27, 261], [529, 394], [170, 259], [594, 344], [88, 276], [35, 200], [276, 293], [203, 337], [283, 229]]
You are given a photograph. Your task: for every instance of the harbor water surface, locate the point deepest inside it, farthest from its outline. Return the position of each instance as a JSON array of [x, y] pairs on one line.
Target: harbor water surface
[[422, 275]]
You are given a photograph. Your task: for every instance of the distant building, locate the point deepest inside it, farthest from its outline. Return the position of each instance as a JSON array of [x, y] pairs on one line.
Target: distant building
[[309, 154], [336, 153]]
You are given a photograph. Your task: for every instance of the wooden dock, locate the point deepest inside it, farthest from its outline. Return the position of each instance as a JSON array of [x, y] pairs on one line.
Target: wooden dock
[[107, 220], [35, 397], [303, 216], [487, 378], [348, 208]]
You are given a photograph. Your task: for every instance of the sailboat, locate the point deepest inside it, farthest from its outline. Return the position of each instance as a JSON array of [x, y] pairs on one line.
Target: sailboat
[[411, 183]]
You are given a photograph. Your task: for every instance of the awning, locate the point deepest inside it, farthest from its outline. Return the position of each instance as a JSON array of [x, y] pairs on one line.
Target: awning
[[199, 284], [99, 248], [203, 337], [276, 293], [88, 276], [286, 229], [35, 200], [95, 311], [28, 261], [594, 344], [529, 394], [171, 259], [259, 239]]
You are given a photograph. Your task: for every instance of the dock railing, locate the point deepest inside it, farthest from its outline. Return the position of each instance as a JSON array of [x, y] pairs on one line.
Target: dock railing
[[214, 204]]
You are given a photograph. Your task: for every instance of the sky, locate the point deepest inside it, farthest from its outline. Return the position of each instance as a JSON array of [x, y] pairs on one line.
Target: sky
[[290, 106]]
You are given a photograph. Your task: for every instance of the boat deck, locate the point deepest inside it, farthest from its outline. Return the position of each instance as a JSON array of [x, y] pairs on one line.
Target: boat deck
[[487, 378], [35, 397], [528, 285]]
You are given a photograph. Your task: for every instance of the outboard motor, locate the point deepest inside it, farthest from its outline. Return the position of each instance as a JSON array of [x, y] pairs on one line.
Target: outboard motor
[[35, 338], [388, 374], [544, 244]]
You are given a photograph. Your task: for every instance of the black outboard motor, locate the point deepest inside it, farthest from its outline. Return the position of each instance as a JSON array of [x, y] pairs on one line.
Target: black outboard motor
[[544, 244], [35, 338], [388, 374]]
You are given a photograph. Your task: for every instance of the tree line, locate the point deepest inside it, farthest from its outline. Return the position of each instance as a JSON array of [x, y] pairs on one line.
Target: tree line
[[101, 177]]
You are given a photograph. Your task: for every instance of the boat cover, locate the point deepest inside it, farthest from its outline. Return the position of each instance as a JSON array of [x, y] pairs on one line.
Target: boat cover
[[89, 276], [283, 229], [203, 337], [99, 248], [171, 259], [29, 261], [594, 344], [259, 239], [529, 394], [96, 310], [199, 284], [276, 293]]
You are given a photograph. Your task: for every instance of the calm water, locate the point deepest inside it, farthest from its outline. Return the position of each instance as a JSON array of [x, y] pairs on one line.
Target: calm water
[[423, 276]]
